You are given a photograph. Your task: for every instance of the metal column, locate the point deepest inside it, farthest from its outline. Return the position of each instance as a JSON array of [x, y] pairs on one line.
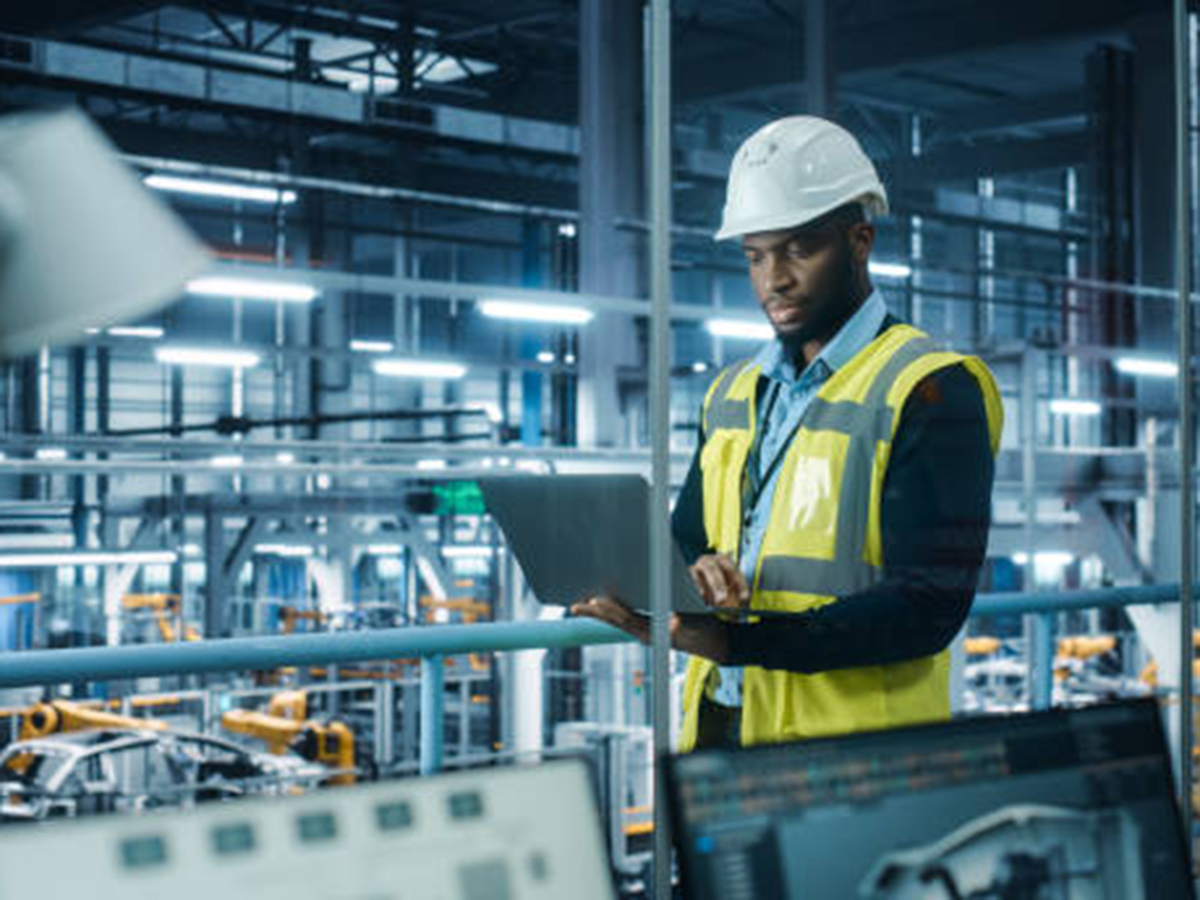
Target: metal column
[[385, 724], [818, 58], [1042, 659], [658, 48], [531, 344], [1183, 268], [1039, 629], [433, 708], [611, 188]]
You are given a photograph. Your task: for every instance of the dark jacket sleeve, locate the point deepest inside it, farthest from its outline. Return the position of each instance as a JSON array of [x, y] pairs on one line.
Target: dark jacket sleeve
[[935, 515], [687, 519]]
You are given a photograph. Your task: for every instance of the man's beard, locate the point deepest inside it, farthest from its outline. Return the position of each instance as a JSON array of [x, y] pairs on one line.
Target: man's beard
[[830, 316]]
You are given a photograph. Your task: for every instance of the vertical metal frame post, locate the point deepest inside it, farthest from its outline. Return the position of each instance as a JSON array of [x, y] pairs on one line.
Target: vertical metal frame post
[[658, 48], [1187, 495], [433, 708]]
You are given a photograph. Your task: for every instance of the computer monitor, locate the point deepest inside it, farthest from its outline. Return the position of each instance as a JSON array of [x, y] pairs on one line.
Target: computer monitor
[[1066, 804]]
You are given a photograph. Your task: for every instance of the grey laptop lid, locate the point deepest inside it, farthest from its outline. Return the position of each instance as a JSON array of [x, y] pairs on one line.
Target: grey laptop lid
[[581, 536]]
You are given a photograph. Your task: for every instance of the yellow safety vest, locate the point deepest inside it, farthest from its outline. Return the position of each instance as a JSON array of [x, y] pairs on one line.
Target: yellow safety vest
[[823, 538]]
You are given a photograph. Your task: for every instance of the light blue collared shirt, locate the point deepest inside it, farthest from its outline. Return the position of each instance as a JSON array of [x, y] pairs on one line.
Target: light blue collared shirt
[[777, 422]]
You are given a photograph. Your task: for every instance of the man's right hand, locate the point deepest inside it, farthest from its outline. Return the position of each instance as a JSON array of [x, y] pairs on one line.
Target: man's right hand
[[720, 582]]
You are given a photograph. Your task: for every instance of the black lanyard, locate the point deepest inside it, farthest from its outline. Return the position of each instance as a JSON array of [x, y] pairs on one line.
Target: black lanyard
[[752, 482]]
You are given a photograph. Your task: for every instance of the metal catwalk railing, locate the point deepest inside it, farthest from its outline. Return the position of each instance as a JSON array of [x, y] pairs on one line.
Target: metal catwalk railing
[[432, 643]]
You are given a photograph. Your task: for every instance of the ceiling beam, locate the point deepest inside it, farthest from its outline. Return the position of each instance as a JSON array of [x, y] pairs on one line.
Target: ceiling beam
[[1007, 115], [994, 158], [880, 48], [54, 18]]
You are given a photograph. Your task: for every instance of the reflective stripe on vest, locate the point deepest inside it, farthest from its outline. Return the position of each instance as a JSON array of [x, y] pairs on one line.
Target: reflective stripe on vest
[[723, 412]]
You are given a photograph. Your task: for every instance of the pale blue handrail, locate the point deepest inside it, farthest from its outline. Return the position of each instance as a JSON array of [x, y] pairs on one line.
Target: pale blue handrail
[[37, 667], [41, 667], [431, 643]]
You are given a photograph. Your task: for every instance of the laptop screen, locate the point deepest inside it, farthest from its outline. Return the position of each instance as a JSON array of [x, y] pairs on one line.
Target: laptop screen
[[1067, 804]]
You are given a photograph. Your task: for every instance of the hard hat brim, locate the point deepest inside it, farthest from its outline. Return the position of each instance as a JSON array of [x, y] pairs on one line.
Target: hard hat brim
[[876, 205]]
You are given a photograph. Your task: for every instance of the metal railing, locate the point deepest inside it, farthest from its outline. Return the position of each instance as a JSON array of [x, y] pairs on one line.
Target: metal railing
[[433, 643]]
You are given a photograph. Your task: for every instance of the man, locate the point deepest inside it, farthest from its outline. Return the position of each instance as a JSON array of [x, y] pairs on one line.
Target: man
[[843, 476]]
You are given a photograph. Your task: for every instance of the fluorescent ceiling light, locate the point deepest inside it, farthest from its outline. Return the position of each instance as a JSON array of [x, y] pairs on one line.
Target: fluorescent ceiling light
[[1153, 368], [699, 367], [445, 69], [87, 558], [51, 454], [252, 289], [535, 312], [545, 357], [360, 83], [417, 368], [740, 328], [1057, 558], [285, 458], [568, 229], [1063, 406], [569, 359], [385, 549], [372, 346], [38, 540], [467, 551], [289, 550], [431, 465], [228, 190], [151, 332], [429, 65], [226, 462], [204, 356], [889, 270]]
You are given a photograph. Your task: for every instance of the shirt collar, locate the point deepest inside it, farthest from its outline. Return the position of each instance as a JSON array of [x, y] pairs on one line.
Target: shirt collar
[[858, 331]]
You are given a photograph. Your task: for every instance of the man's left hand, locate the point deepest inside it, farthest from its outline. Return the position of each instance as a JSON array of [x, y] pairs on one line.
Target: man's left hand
[[699, 635]]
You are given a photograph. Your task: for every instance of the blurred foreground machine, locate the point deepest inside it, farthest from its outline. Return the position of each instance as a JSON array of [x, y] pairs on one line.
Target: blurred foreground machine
[[498, 834]]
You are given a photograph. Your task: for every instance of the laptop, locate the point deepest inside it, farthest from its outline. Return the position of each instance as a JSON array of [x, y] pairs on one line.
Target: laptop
[[1077, 804], [582, 536]]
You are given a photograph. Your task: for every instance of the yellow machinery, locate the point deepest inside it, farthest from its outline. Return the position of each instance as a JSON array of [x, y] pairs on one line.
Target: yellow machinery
[[166, 609], [291, 705], [289, 616], [58, 716], [19, 599], [285, 726], [982, 646], [44, 719], [1083, 647], [1079, 649]]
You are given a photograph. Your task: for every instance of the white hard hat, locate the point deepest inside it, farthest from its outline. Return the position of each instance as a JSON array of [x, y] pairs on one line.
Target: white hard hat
[[796, 170]]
